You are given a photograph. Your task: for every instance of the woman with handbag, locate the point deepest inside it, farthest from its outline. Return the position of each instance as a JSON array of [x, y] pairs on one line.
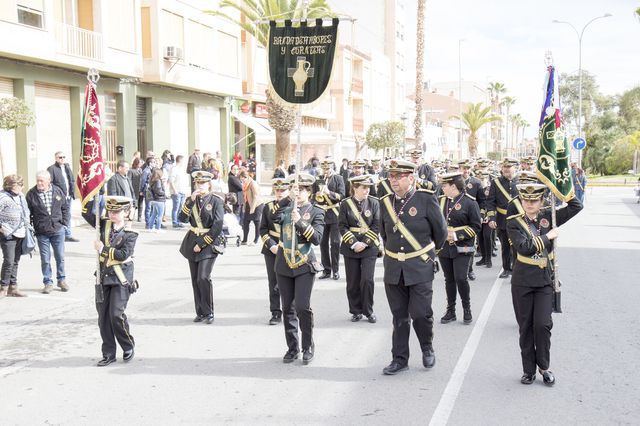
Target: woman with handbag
[[204, 211], [462, 215], [531, 235], [14, 225], [301, 227], [359, 225]]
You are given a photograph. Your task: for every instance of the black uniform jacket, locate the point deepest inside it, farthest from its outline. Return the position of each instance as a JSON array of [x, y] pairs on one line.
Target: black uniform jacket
[[363, 226], [118, 248], [329, 202], [501, 192], [532, 266], [383, 187], [309, 231], [269, 230], [420, 213], [463, 217], [211, 211], [473, 187], [426, 177]]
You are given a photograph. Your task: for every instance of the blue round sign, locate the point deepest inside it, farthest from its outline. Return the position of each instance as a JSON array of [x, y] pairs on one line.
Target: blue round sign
[[579, 144]]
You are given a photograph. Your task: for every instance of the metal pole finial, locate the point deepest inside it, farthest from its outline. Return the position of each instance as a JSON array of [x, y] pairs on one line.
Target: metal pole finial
[[548, 58], [93, 75]]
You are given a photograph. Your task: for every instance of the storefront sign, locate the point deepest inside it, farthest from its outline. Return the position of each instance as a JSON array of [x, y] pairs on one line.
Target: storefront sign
[[260, 110]]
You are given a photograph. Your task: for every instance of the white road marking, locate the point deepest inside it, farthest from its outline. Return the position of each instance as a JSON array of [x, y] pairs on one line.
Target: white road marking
[[448, 399]]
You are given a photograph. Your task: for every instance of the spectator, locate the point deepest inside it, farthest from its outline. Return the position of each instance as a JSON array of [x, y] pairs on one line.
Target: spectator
[[344, 170], [179, 184], [135, 175], [235, 187], [279, 172], [149, 166], [49, 213], [580, 183], [223, 171], [62, 177], [120, 183], [195, 162], [292, 169], [157, 199], [252, 206], [135, 155], [205, 161], [251, 166], [217, 184], [14, 213], [237, 159]]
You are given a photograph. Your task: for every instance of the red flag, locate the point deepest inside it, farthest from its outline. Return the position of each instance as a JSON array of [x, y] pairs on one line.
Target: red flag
[[91, 175]]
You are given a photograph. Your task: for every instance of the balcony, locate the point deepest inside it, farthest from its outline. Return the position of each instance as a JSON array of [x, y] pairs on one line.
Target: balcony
[[75, 41]]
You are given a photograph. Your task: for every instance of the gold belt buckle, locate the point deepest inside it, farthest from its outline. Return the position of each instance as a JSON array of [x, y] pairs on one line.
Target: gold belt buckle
[[402, 257]]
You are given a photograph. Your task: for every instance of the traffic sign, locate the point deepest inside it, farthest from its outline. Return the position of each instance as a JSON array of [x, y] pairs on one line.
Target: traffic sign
[[579, 144]]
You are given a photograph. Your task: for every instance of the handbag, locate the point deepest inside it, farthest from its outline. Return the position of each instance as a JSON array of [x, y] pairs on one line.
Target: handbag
[[29, 240]]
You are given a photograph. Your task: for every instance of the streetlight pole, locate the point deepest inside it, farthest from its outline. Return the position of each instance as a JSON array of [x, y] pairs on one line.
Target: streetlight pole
[[403, 117], [580, 35]]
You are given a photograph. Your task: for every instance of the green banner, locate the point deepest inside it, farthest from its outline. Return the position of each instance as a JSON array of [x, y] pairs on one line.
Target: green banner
[[301, 59], [554, 167]]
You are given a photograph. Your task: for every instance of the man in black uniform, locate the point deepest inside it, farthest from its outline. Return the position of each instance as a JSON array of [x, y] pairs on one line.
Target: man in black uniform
[[116, 246], [528, 164], [426, 176], [412, 226], [201, 245], [358, 167], [270, 235], [473, 187], [503, 190], [328, 191]]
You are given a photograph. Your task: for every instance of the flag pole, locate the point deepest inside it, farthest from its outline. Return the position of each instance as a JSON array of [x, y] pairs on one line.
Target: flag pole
[[93, 75]]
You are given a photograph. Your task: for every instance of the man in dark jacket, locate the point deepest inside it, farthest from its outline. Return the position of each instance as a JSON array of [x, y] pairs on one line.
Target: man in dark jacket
[[49, 213], [62, 177], [120, 183]]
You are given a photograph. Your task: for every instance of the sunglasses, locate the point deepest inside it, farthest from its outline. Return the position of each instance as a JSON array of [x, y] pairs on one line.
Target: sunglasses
[[60, 158]]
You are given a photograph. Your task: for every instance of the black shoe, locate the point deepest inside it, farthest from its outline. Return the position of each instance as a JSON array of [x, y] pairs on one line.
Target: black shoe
[[478, 254], [275, 318], [472, 276], [307, 354], [449, 316], [467, 317], [290, 356], [548, 378], [428, 358], [504, 274], [494, 254], [489, 264], [372, 318], [527, 379], [336, 276], [71, 240], [208, 319], [481, 262], [128, 355], [394, 368], [356, 317], [106, 361], [198, 318], [325, 275]]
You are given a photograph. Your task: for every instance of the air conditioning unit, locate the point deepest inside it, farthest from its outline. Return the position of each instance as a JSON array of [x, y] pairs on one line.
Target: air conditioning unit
[[173, 53]]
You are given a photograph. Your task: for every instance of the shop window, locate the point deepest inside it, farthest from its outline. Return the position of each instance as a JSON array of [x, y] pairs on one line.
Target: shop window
[[30, 13]]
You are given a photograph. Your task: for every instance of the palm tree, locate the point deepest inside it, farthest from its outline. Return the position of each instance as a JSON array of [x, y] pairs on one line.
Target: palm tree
[[419, 72], [474, 118], [507, 102], [495, 90], [281, 117]]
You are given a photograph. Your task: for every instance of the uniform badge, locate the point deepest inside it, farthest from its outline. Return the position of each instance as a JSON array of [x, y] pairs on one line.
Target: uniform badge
[[209, 207], [413, 211], [486, 192], [306, 216], [422, 177], [457, 206], [367, 213], [58, 198], [469, 186], [544, 223]]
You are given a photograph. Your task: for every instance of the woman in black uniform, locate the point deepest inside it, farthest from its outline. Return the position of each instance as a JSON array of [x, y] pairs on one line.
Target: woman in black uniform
[[115, 247], [205, 212], [301, 226], [462, 215], [532, 236], [359, 224]]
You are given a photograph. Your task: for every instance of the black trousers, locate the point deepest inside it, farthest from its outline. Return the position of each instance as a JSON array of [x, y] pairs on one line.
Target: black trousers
[[112, 320], [295, 293], [330, 258], [486, 242], [505, 248], [202, 285], [11, 252], [532, 306], [248, 219], [274, 291], [360, 284], [409, 303], [456, 280]]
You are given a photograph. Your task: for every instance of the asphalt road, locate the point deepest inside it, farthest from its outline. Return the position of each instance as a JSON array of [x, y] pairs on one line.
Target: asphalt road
[[231, 371]]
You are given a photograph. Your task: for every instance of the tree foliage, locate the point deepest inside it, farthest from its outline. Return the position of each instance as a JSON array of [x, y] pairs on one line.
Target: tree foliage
[[474, 118], [14, 112], [389, 134]]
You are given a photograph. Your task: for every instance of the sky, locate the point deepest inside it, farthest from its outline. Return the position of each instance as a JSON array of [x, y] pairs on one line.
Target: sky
[[506, 41]]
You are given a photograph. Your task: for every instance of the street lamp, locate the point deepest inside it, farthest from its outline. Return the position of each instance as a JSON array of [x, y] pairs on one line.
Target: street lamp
[[404, 117], [580, 34]]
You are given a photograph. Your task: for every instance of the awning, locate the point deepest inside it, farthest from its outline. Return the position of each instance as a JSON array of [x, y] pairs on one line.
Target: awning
[[258, 125]]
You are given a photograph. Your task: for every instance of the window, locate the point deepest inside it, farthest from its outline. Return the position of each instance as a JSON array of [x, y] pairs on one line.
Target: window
[[121, 25], [228, 48], [173, 29], [200, 40], [30, 13]]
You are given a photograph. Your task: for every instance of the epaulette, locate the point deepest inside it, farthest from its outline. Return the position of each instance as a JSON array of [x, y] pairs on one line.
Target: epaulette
[[429, 191], [470, 196]]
